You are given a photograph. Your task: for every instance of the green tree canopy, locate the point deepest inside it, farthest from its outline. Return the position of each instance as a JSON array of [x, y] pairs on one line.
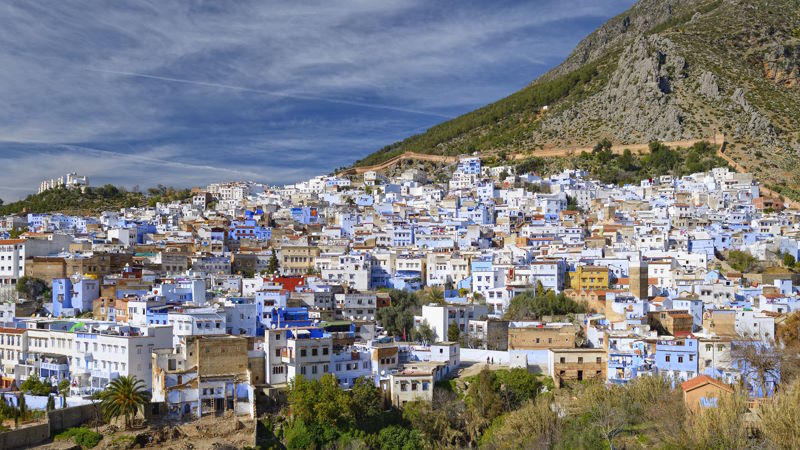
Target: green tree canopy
[[125, 396], [527, 306]]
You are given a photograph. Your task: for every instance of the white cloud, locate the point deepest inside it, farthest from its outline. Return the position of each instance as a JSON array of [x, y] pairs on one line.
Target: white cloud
[[257, 77]]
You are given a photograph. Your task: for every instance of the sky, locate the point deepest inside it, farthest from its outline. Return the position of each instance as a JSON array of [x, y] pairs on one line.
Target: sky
[[183, 93]]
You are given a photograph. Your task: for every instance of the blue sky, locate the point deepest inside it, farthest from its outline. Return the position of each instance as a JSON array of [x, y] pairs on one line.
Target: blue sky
[[188, 92]]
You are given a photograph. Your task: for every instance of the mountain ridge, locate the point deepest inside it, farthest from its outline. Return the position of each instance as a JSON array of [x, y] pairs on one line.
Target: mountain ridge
[[663, 70]]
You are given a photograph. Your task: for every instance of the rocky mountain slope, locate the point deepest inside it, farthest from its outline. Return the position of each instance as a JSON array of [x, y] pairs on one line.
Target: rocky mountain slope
[[664, 70]]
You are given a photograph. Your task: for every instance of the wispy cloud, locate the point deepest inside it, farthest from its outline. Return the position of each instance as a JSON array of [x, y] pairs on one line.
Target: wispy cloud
[[269, 90], [272, 93]]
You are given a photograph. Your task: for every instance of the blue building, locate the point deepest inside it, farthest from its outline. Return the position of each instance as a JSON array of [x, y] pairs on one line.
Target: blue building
[[72, 296], [287, 318], [677, 358], [470, 166], [626, 364], [248, 229], [306, 215]]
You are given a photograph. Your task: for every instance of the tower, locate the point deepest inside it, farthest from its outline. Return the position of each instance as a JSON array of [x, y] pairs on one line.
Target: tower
[[638, 279]]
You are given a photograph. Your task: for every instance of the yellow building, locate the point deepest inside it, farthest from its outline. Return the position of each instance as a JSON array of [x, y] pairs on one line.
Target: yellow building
[[589, 278]]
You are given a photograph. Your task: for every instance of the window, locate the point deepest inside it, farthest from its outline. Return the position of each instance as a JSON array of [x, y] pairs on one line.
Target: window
[[313, 370], [302, 352], [599, 360], [680, 359], [580, 359], [666, 358], [562, 360], [314, 351]]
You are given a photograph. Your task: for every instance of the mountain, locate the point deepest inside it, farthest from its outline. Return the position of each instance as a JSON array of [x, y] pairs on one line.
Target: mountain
[[666, 70]]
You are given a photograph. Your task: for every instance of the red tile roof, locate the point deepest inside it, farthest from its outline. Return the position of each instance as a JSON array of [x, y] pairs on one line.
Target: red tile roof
[[703, 380]]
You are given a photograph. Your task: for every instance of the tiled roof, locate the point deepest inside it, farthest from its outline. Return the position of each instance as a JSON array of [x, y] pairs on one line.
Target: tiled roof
[[702, 380]]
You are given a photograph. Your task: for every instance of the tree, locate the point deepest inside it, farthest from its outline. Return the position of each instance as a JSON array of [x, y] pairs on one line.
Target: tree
[[125, 396], [608, 410], [722, 427], [516, 386], [625, 161], [758, 362], [788, 333], [366, 405], [441, 421], [320, 402], [788, 260], [572, 203], [398, 318], [16, 232], [425, 333], [22, 410], [395, 437], [536, 425], [484, 401], [742, 261], [780, 418], [453, 333], [36, 386], [63, 389], [433, 295], [273, 266], [31, 287], [51, 403], [529, 306]]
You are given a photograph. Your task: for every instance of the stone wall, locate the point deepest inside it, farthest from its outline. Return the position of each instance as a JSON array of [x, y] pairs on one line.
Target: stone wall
[[61, 419], [57, 420]]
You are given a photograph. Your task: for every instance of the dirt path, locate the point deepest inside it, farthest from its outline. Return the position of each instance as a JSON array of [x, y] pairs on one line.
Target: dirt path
[[616, 148], [544, 153], [407, 155]]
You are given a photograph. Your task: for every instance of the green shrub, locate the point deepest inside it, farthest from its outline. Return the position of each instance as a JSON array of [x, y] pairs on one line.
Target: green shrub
[[83, 436]]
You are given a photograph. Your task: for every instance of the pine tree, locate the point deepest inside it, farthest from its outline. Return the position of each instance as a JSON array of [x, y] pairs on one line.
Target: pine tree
[[273, 266]]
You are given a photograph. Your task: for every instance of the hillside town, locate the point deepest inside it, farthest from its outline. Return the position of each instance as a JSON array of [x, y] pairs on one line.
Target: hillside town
[[219, 303]]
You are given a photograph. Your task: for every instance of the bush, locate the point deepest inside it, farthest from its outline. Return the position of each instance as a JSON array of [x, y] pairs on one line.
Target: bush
[[742, 261], [527, 306], [395, 437], [36, 386], [84, 437]]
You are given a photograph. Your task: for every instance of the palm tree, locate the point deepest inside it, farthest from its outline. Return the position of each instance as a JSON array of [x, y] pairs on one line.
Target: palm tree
[[433, 295], [125, 396]]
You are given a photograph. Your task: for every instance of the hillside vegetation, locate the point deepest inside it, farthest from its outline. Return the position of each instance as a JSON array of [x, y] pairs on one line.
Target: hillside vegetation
[[665, 70], [495, 118], [92, 199]]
